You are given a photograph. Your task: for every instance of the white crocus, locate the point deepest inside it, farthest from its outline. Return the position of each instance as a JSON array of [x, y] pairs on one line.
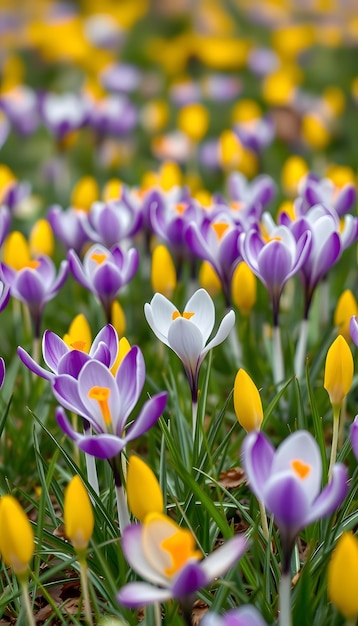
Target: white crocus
[[187, 333]]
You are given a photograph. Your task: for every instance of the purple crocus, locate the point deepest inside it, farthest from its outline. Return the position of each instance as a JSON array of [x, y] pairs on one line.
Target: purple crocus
[[246, 615], [35, 284], [165, 555], [21, 107], [109, 223], [2, 371], [113, 115], [256, 134], [68, 227], [354, 436], [288, 482], [106, 402], [323, 191], [63, 359], [104, 272], [63, 113]]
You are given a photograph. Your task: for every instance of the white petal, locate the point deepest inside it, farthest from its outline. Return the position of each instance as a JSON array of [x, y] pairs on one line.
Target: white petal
[[204, 312], [223, 331], [219, 561], [186, 340], [132, 542], [159, 315]]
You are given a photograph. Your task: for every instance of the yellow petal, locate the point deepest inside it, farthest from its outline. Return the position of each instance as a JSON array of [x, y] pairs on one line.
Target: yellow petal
[[247, 402], [209, 279], [78, 514], [143, 490], [16, 251], [346, 307], [118, 318], [338, 373], [112, 190], [123, 349], [79, 334], [193, 120], [163, 274], [16, 536], [84, 193], [170, 175], [343, 575], [41, 239], [244, 288]]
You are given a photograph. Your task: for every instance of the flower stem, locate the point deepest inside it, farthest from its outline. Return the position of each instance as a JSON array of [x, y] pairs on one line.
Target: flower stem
[[27, 603], [194, 414], [122, 508], [92, 472], [284, 618], [264, 524], [85, 589], [336, 412], [235, 346], [278, 367], [301, 349]]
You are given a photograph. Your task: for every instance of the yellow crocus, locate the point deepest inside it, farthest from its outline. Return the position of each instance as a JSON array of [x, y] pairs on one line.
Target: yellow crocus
[[143, 491], [170, 175], [346, 307], [79, 334], [16, 252], [163, 273], [208, 279], [118, 318], [41, 240], [112, 189], [338, 373], [244, 288], [314, 131], [78, 514], [247, 402], [16, 536], [293, 171], [84, 193], [193, 120], [343, 575]]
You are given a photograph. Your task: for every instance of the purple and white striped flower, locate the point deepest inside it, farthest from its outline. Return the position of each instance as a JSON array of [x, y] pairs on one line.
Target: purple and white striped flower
[[246, 615], [63, 113], [323, 191], [63, 359], [109, 223], [68, 227], [187, 333], [152, 550], [104, 272], [106, 401], [288, 482]]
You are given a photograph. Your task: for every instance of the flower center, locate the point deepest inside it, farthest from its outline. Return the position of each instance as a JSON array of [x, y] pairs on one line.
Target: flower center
[[181, 207], [301, 469], [187, 315], [78, 345], [33, 265], [98, 257], [101, 394], [181, 548], [220, 228], [236, 205]]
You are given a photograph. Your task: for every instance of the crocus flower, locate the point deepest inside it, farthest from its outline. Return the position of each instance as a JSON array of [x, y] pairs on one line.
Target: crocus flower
[[346, 308], [244, 288], [16, 537], [323, 191], [143, 490], [106, 401], [35, 284], [63, 113], [2, 371], [187, 333], [165, 555], [343, 576], [247, 402], [68, 227], [62, 358], [288, 481], [338, 373], [354, 436], [163, 273], [78, 515], [104, 272], [109, 223], [246, 615]]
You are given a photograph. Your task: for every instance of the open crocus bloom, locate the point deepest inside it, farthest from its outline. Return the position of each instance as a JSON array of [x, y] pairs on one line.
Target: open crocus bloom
[[187, 333], [106, 401], [63, 359], [288, 481], [164, 553], [354, 436], [244, 616]]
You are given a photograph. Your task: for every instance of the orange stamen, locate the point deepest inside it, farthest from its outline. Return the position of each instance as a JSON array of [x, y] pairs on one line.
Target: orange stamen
[[101, 394], [78, 345], [98, 257], [220, 228], [181, 547], [187, 315], [181, 207], [32, 264], [300, 468]]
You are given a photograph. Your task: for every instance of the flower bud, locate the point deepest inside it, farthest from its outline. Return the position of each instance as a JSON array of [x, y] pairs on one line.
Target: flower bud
[[244, 288], [345, 309], [16, 536], [78, 514], [343, 575], [247, 402], [338, 373], [143, 490], [41, 239], [163, 275]]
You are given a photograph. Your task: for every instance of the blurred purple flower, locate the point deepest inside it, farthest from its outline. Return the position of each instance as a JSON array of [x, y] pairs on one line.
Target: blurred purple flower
[[35, 285], [288, 482], [68, 227], [354, 436], [323, 191], [104, 272], [106, 402], [63, 359], [256, 134], [2, 371], [120, 77], [111, 222], [63, 113], [22, 109], [114, 115], [246, 615]]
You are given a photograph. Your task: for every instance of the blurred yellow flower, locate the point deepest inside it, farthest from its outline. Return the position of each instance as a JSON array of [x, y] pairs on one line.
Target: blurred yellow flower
[[112, 189], [343, 575], [208, 279], [314, 131], [41, 239], [84, 193], [16, 251], [244, 288], [118, 318], [169, 175], [294, 169], [163, 273], [193, 120], [346, 307], [16, 536], [247, 402]]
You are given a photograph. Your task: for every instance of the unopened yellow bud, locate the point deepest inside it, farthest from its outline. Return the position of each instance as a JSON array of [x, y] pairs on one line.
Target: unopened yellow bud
[[294, 169], [247, 402], [343, 575], [84, 193], [209, 279], [338, 373], [230, 150], [314, 131], [335, 99], [278, 88], [346, 307], [163, 274], [78, 514], [170, 175], [16, 535], [143, 490], [79, 336], [41, 239], [193, 120], [123, 348], [246, 110], [118, 318], [16, 251], [112, 190], [244, 288]]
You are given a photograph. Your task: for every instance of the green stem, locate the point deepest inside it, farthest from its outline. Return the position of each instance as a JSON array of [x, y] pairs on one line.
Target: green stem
[[27, 603], [284, 618], [85, 590], [264, 524], [336, 412]]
